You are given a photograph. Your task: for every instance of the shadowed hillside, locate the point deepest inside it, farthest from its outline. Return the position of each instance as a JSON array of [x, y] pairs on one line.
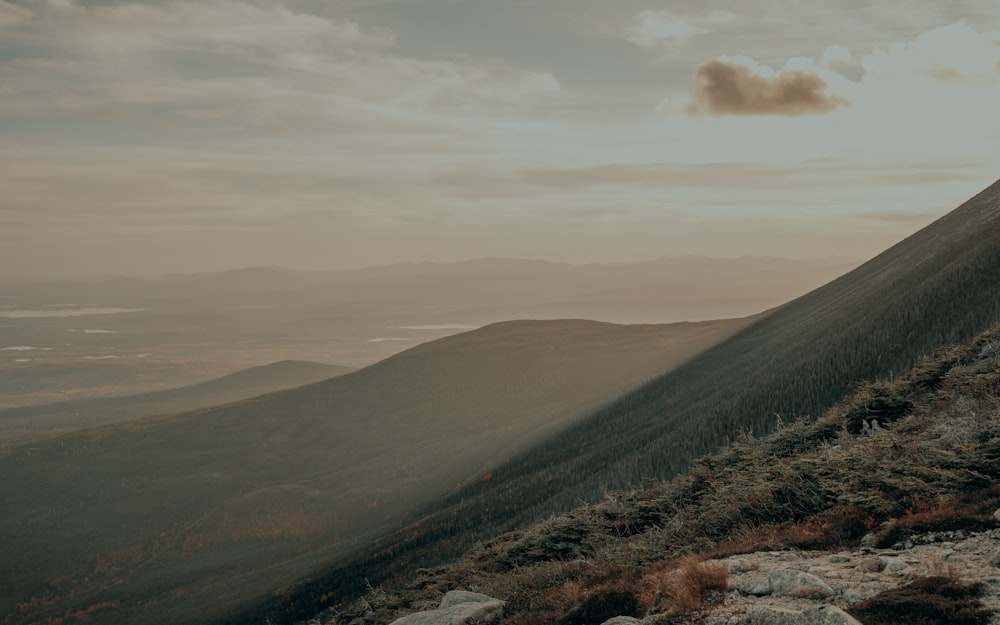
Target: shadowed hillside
[[939, 286], [928, 476], [182, 518], [87, 413]]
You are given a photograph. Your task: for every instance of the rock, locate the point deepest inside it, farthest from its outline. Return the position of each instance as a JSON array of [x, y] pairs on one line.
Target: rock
[[622, 620], [872, 564], [827, 615], [822, 615], [996, 515], [786, 583], [768, 615], [459, 607], [851, 595], [456, 597], [994, 559], [739, 565], [893, 564], [946, 553], [839, 558]]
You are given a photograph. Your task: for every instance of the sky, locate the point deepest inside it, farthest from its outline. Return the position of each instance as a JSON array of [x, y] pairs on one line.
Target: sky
[[189, 135]]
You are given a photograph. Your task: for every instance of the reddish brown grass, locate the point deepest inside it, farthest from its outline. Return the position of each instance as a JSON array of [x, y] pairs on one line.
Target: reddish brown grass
[[682, 585], [941, 514]]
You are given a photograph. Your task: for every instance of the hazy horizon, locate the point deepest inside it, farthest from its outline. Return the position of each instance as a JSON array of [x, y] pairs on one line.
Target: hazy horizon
[[125, 273], [156, 137]]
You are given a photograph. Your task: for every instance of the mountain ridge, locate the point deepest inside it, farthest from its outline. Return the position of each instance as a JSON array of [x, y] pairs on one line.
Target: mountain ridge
[[824, 496], [939, 286]]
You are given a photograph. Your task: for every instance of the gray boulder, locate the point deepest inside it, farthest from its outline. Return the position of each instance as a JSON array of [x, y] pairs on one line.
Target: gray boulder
[[768, 615], [872, 564], [995, 559], [739, 565], [894, 564], [786, 583], [822, 615], [459, 607], [622, 620], [828, 615], [457, 597]]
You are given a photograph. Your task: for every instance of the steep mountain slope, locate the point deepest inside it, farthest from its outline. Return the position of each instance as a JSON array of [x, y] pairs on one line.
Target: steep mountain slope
[[927, 475], [939, 286], [179, 518], [88, 413]]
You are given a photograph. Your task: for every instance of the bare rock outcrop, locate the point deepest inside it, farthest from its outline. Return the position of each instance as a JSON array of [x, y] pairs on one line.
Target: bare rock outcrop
[[815, 587], [786, 583], [459, 607], [820, 615]]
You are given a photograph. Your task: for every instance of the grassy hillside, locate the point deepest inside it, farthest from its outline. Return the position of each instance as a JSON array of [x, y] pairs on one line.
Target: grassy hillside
[[182, 518], [939, 286], [934, 466], [88, 413]]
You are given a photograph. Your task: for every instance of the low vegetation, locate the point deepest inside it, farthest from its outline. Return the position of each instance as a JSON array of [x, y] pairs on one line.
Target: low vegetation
[[926, 601], [813, 484]]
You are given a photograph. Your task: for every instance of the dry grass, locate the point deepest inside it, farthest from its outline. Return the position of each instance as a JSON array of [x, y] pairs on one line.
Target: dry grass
[[571, 593], [968, 512], [680, 586]]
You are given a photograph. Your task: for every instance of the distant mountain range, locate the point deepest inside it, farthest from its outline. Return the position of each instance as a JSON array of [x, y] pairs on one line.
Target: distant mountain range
[[176, 330], [486, 290]]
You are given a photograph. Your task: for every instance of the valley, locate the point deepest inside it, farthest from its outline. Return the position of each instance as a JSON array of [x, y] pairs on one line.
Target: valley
[[142, 334], [163, 514]]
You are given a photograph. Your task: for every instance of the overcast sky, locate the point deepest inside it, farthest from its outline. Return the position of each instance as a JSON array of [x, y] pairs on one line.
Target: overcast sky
[[209, 134]]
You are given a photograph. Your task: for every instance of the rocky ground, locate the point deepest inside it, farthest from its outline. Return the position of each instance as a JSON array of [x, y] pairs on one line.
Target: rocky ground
[[793, 582], [797, 587]]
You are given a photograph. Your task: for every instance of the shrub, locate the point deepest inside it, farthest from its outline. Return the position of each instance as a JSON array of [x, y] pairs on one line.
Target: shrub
[[925, 601], [594, 594], [942, 514], [601, 606]]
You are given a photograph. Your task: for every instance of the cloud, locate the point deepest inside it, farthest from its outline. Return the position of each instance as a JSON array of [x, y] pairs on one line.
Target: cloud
[[654, 29], [835, 55], [116, 32], [738, 86], [947, 54], [263, 65], [11, 14]]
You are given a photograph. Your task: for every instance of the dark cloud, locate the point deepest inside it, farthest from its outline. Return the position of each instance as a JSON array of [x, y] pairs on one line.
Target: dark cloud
[[725, 88]]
